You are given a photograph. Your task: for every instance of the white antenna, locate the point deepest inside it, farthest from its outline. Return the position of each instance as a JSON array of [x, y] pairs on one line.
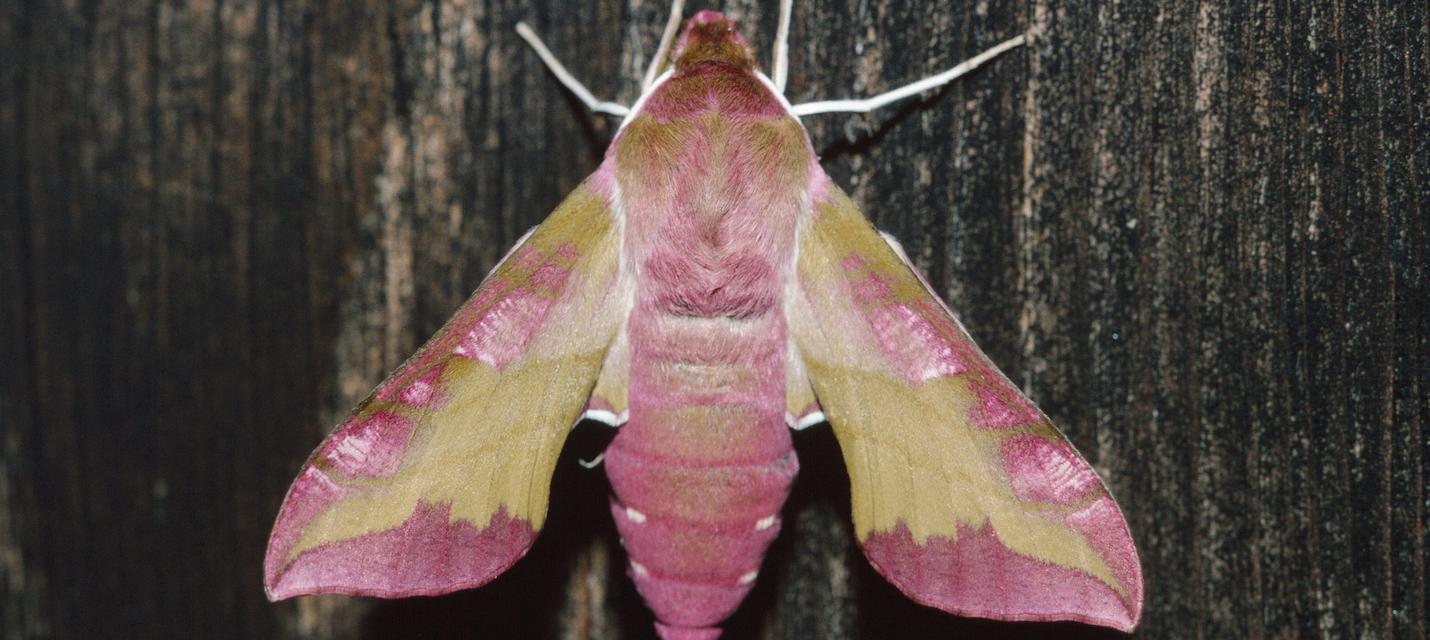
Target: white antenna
[[781, 64], [672, 24], [565, 76], [865, 105]]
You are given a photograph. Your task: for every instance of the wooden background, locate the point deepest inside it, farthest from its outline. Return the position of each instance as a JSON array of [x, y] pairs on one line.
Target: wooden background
[[1194, 231]]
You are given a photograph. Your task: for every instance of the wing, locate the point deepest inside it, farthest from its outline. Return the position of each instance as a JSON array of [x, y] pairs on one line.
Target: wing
[[439, 480], [965, 497]]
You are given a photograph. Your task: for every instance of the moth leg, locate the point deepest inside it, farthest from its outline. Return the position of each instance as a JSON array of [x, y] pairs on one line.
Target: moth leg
[[672, 24], [572, 84], [865, 105], [780, 68]]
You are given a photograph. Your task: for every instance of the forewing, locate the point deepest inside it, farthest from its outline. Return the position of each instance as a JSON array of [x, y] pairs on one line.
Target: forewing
[[964, 495], [439, 480]]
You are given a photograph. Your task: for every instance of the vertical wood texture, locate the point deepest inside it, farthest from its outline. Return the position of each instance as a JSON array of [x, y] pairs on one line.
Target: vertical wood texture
[[1195, 232]]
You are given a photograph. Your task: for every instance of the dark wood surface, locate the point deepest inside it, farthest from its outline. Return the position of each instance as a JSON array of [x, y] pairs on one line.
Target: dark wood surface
[[1195, 233]]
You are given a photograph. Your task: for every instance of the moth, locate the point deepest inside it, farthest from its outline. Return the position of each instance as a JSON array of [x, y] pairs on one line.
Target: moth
[[707, 290]]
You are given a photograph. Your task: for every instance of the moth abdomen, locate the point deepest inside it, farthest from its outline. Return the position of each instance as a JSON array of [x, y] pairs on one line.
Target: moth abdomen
[[704, 465]]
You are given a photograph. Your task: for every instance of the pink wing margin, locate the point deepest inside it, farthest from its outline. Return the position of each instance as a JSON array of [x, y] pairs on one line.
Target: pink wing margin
[[438, 480], [965, 496]]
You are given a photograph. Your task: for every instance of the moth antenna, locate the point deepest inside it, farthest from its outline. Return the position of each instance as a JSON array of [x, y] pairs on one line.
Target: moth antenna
[[672, 24], [572, 84], [780, 68], [865, 105]]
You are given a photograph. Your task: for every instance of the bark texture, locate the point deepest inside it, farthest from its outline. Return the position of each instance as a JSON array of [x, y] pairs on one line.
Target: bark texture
[[1195, 232]]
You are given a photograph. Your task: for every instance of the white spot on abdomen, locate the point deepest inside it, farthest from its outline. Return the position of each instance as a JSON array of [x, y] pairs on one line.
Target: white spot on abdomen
[[639, 569], [635, 516], [749, 577], [765, 523]]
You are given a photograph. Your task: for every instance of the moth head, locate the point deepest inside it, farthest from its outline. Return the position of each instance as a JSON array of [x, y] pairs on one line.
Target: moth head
[[711, 37]]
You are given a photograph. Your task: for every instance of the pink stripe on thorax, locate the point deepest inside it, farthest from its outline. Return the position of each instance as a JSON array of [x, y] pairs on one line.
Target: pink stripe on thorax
[[713, 87]]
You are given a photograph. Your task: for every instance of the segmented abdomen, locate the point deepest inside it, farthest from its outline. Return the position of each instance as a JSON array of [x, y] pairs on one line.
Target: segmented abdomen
[[704, 464]]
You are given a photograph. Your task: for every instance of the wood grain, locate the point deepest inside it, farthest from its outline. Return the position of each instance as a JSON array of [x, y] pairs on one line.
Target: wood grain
[[1194, 232]]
